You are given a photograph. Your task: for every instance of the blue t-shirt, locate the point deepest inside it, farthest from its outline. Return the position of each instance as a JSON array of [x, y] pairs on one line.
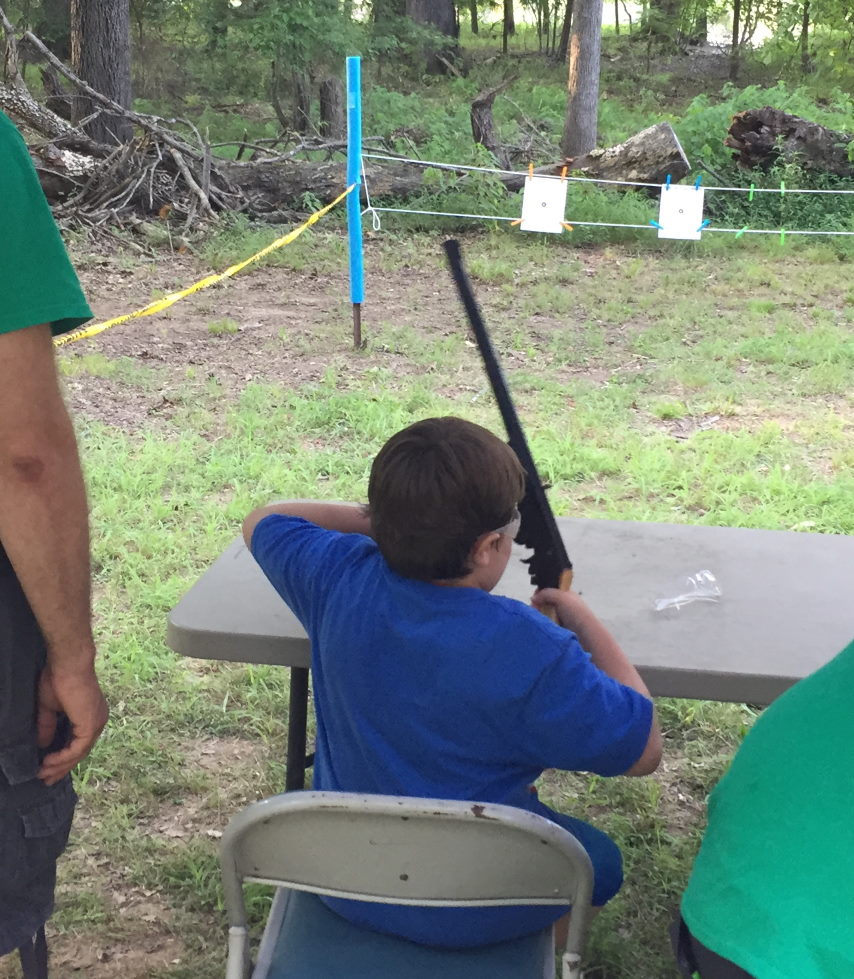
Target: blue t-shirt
[[452, 693]]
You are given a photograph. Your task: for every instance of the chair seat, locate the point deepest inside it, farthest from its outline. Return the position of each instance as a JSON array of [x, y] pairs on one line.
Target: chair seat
[[315, 943]]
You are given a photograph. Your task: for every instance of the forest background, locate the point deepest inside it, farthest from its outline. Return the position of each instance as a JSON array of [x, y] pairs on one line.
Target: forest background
[[706, 382]]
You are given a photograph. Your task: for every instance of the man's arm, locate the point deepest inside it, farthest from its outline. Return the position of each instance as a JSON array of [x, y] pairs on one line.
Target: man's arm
[[573, 613], [44, 528], [348, 518]]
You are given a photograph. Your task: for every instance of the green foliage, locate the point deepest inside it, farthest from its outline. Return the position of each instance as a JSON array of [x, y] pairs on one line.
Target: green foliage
[[304, 33]]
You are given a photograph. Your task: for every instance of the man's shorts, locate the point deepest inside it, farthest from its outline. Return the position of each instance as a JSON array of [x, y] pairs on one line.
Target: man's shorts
[[35, 819], [695, 961]]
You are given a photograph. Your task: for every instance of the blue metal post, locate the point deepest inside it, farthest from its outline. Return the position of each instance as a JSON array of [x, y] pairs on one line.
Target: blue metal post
[[354, 208]]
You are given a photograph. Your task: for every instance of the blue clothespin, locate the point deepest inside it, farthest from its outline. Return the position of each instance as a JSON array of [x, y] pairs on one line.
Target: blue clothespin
[[705, 224], [698, 181], [667, 182], [655, 224]]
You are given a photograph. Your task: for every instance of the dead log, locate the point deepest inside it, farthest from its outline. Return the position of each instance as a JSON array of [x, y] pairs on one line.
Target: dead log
[[647, 157], [761, 137]]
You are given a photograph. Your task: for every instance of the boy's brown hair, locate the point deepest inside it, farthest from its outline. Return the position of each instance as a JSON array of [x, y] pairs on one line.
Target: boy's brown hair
[[437, 486]]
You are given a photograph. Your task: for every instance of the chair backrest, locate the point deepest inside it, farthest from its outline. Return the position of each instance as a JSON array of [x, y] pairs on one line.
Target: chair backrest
[[406, 851]]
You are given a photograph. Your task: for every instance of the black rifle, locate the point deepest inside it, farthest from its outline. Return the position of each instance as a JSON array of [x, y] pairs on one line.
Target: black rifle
[[549, 565]]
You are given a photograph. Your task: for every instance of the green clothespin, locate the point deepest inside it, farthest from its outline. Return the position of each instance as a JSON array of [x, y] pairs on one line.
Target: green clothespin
[[738, 234], [782, 188], [752, 189], [782, 236]]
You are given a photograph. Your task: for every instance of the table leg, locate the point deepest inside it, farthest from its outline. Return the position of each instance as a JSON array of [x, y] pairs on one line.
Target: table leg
[[297, 721]]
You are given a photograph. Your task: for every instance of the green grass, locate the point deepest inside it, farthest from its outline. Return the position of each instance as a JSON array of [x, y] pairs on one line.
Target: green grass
[[698, 387]]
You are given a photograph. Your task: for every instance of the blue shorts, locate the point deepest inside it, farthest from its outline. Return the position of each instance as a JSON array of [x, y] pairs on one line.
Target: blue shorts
[[469, 927]]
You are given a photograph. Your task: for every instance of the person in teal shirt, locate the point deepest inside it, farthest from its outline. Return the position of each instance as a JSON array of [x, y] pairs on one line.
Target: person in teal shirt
[[51, 705], [771, 894]]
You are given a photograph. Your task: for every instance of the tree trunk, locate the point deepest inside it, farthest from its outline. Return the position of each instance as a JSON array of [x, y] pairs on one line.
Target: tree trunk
[[56, 97], [736, 40], [663, 17], [215, 20], [385, 9], [483, 125], [806, 64], [509, 18], [333, 120], [475, 26], [441, 15], [585, 43], [54, 27], [100, 54], [302, 102], [563, 47], [762, 136]]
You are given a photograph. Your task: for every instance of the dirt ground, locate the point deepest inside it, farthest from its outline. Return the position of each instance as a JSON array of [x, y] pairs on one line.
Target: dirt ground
[[264, 303], [289, 328]]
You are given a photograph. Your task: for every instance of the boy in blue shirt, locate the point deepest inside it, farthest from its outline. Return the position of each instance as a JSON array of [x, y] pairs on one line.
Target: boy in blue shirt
[[427, 685]]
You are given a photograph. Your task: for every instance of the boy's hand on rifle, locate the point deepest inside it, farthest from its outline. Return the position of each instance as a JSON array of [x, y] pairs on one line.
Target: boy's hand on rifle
[[571, 609]]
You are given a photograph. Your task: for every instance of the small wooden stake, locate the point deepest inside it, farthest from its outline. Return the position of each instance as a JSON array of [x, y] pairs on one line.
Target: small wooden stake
[[357, 326]]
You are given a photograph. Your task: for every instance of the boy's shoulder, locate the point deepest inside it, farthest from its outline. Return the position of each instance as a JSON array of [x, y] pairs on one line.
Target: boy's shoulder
[[512, 623]]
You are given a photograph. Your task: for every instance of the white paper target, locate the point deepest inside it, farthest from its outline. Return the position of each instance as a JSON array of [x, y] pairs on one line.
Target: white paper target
[[544, 204], [680, 212]]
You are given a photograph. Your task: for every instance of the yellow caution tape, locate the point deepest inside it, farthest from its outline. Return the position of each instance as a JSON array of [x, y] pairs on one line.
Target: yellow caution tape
[[85, 332]]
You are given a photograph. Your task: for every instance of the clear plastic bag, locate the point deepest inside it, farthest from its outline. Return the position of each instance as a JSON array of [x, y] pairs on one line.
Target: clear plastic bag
[[702, 587]]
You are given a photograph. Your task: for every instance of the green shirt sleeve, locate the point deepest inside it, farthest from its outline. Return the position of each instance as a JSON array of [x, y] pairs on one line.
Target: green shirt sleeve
[[37, 281]]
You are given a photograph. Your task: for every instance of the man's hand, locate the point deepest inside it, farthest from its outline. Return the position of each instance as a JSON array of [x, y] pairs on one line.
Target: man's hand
[[78, 695]]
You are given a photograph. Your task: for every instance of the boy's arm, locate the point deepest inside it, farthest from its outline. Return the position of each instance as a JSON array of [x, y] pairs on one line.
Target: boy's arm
[[347, 518], [573, 613]]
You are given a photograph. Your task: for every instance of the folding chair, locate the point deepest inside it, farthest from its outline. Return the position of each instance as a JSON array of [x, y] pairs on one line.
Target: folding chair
[[428, 852]]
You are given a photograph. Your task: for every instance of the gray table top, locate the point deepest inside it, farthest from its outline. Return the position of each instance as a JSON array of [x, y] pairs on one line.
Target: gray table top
[[787, 605]]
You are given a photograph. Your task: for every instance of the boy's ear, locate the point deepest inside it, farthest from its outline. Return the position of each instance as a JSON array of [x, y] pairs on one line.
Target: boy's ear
[[481, 552]]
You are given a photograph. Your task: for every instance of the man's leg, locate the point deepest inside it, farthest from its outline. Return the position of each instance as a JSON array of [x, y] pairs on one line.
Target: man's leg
[[35, 818]]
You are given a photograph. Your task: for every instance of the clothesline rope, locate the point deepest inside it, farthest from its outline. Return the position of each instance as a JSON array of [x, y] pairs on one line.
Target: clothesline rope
[[593, 180], [374, 211]]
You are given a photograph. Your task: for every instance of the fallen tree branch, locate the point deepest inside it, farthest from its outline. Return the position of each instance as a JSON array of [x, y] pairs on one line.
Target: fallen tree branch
[[191, 182]]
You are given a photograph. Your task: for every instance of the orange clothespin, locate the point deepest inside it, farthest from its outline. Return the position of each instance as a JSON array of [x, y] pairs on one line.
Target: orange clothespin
[[531, 170], [514, 223], [567, 225], [563, 174]]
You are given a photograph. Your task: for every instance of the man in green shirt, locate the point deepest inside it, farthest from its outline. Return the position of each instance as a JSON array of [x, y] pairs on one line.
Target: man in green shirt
[[771, 895], [51, 706]]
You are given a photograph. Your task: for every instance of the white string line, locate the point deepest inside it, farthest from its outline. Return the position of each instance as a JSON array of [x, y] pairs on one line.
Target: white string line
[[778, 231], [375, 218], [603, 224], [446, 214], [592, 180]]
